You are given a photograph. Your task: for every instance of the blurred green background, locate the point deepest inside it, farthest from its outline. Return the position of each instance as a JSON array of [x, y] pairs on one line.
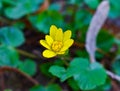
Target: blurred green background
[[24, 22]]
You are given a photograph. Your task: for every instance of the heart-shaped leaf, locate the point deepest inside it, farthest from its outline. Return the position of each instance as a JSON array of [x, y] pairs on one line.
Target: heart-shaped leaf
[[8, 56], [21, 8], [58, 71], [88, 76], [92, 3], [45, 19], [28, 66], [11, 36]]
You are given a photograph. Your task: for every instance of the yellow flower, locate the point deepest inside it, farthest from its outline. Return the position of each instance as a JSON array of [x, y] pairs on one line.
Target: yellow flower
[[57, 42]]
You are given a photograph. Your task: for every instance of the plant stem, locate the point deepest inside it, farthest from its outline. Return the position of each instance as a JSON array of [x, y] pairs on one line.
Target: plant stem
[[26, 53]]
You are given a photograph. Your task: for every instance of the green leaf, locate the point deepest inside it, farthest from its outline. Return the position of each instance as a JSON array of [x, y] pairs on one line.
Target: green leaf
[[88, 76], [8, 56], [82, 53], [8, 2], [38, 88], [55, 6], [11, 36], [19, 25], [116, 65], [0, 5], [28, 66], [105, 40], [92, 3], [44, 20], [73, 84], [104, 87], [74, 1], [60, 72], [114, 9], [77, 65], [22, 7], [82, 18], [57, 71], [52, 87], [44, 69]]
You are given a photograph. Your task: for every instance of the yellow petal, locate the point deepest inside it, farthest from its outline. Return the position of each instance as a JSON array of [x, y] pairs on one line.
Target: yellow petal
[[61, 52], [53, 30], [59, 35], [67, 44], [67, 35], [49, 40], [49, 53], [43, 43]]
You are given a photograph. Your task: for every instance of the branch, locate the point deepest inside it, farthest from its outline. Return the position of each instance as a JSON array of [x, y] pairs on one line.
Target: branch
[[113, 76], [6, 68], [95, 25]]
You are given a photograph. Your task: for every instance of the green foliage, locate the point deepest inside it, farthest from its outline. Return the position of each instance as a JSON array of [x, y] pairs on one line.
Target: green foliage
[[8, 56], [19, 25], [116, 65], [92, 3], [82, 18], [54, 6], [18, 17], [104, 87], [88, 76], [52, 87], [19, 8], [117, 41], [82, 53], [44, 20], [44, 69], [28, 67], [105, 40], [58, 71], [115, 8], [73, 84], [91, 76], [11, 36], [0, 5], [74, 1], [114, 5]]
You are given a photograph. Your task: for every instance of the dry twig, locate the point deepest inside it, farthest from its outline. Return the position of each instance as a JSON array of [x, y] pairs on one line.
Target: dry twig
[[6, 68]]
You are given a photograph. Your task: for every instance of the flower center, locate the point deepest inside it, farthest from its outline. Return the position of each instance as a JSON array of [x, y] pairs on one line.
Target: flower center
[[57, 45]]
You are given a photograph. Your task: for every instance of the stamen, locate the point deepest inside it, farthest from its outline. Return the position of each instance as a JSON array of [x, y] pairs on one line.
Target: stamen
[[57, 45]]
